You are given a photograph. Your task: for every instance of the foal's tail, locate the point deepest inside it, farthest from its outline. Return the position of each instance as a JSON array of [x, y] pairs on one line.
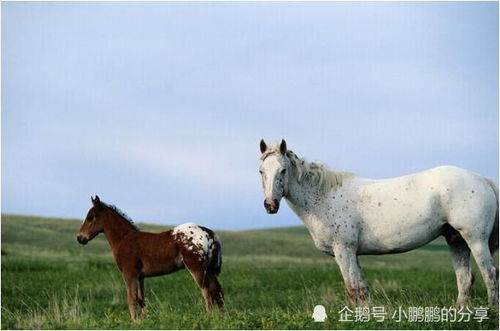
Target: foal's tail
[[211, 283], [493, 242], [215, 263]]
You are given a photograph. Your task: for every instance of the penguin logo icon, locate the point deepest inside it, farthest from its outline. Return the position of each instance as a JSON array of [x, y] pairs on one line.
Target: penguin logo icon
[[319, 314]]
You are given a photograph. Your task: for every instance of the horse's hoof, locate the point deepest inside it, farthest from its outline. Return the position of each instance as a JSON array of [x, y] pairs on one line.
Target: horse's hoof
[[460, 305], [493, 303]]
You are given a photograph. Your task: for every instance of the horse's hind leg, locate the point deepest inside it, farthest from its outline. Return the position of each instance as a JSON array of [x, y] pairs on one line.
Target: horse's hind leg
[[489, 272], [460, 255]]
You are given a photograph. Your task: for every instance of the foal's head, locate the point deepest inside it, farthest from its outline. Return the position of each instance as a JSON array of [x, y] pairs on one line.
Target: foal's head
[[274, 168], [93, 223]]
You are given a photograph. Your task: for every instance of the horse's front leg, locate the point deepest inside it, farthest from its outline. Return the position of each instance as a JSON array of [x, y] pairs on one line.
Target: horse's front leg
[[355, 284]]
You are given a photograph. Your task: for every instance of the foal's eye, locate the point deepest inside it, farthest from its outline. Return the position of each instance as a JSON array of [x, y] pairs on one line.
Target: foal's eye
[[283, 171], [260, 172]]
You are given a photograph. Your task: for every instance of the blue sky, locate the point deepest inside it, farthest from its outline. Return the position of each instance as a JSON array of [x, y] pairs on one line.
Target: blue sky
[[159, 107]]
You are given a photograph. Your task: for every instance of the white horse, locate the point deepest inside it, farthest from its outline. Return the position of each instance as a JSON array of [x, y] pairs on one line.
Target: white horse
[[349, 215]]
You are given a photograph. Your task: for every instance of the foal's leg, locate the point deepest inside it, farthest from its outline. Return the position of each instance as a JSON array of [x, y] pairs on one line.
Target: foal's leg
[[214, 289], [460, 255], [199, 277], [132, 283], [140, 293], [356, 287]]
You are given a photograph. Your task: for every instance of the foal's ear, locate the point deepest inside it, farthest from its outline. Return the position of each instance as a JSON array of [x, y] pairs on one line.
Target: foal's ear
[[263, 146], [96, 200], [283, 146]]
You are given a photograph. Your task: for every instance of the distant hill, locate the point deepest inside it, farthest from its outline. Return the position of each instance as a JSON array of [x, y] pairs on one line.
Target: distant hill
[[30, 236], [56, 234]]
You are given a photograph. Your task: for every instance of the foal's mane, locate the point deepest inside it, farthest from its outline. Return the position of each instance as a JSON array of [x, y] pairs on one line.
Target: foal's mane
[[121, 214], [313, 173]]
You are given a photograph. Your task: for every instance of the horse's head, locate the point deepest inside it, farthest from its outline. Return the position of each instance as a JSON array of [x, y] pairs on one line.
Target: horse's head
[[93, 223], [274, 169]]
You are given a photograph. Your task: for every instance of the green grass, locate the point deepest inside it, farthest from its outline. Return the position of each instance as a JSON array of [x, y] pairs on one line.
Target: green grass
[[272, 280]]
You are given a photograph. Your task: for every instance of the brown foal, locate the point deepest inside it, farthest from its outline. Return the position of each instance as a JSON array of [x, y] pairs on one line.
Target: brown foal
[[141, 254]]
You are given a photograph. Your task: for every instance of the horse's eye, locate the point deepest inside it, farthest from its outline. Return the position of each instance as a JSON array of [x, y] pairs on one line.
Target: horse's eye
[[260, 172], [283, 171]]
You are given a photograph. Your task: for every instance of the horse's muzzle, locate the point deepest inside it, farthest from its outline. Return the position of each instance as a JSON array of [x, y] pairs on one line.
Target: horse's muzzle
[[271, 205], [82, 240]]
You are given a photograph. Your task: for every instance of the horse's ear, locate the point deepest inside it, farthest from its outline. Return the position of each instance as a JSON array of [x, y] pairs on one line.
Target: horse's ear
[[283, 146], [263, 146]]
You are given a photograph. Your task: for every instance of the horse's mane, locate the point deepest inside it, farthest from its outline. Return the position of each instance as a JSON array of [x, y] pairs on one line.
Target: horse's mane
[[121, 214], [313, 173]]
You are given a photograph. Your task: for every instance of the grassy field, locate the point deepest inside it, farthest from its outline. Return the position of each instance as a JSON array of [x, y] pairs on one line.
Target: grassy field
[[272, 280]]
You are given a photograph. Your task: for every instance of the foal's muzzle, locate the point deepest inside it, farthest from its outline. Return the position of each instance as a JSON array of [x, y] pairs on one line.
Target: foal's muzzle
[[271, 205], [82, 240]]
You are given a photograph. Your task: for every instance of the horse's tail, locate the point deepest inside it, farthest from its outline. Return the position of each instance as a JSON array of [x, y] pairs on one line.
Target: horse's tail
[[493, 242], [215, 263]]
